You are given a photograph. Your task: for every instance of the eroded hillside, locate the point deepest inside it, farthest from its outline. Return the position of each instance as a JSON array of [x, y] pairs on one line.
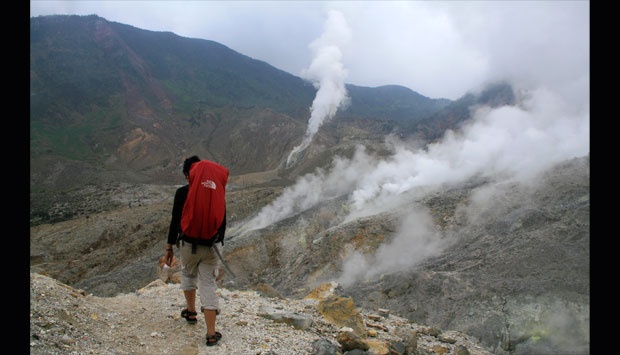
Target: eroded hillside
[[502, 272]]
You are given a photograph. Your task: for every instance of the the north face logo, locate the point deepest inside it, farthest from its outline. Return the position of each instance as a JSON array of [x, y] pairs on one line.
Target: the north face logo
[[209, 184]]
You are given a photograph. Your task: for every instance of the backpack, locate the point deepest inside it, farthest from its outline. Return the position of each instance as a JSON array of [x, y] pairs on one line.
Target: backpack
[[203, 220]]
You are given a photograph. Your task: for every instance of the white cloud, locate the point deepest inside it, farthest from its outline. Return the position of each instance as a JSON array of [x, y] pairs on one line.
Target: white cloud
[[439, 48]]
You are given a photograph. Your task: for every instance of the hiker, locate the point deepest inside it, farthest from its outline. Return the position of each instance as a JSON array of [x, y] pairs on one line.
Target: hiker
[[200, 266]]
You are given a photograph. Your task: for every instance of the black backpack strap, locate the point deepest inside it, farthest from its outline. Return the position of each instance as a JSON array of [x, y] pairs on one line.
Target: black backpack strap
[[185, 239]]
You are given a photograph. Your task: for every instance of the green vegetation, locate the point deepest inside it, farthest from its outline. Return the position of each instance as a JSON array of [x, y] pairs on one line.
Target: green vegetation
[[94, 83], [82, 139]]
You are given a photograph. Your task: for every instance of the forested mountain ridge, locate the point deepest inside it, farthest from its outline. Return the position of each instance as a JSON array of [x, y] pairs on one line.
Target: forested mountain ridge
[[130, 104]]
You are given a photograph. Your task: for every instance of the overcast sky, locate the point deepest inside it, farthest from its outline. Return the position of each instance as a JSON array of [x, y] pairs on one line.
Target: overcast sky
[[440, 49]]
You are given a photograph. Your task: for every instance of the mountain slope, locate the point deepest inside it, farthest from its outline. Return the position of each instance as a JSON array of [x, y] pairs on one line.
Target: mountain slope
[[126, 104], [511, 274]]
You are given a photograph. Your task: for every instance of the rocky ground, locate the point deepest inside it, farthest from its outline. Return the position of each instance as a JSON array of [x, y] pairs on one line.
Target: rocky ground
[[516, 278], [65, 320]]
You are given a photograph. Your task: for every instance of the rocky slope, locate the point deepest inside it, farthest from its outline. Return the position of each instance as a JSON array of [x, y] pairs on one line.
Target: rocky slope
[[518, 274], [515, 275], [64, 320]]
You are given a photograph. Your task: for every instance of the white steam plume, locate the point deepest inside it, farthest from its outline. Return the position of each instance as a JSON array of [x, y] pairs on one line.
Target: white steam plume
[[511, 142], [328, 75], [416, 240]]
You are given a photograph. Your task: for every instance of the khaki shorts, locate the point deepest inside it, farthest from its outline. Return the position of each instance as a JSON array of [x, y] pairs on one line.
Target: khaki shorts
[[198, 272]]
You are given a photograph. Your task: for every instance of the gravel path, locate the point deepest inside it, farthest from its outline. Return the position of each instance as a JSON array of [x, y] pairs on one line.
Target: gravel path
[[64, 320]]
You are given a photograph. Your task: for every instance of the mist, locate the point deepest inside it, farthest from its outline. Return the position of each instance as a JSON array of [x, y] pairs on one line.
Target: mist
[[415, 240], [549, 123], [509, 143]]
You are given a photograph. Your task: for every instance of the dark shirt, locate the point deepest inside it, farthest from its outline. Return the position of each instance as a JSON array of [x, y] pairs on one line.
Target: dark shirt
[[177, 208]]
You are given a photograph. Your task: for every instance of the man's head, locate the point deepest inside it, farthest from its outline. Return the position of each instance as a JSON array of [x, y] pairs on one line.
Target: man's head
[[187, 164]]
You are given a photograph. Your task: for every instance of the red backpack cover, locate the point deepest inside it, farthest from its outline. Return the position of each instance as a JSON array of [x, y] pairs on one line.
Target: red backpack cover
[[205, 207]]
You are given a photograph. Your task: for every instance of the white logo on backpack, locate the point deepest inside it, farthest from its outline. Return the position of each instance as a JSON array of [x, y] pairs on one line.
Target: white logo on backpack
[[209, 184]]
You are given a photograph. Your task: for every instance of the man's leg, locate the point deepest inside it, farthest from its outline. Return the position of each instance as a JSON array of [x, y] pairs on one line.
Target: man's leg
[[208, 297], [210, 316], [189, 281], [190, 298]]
